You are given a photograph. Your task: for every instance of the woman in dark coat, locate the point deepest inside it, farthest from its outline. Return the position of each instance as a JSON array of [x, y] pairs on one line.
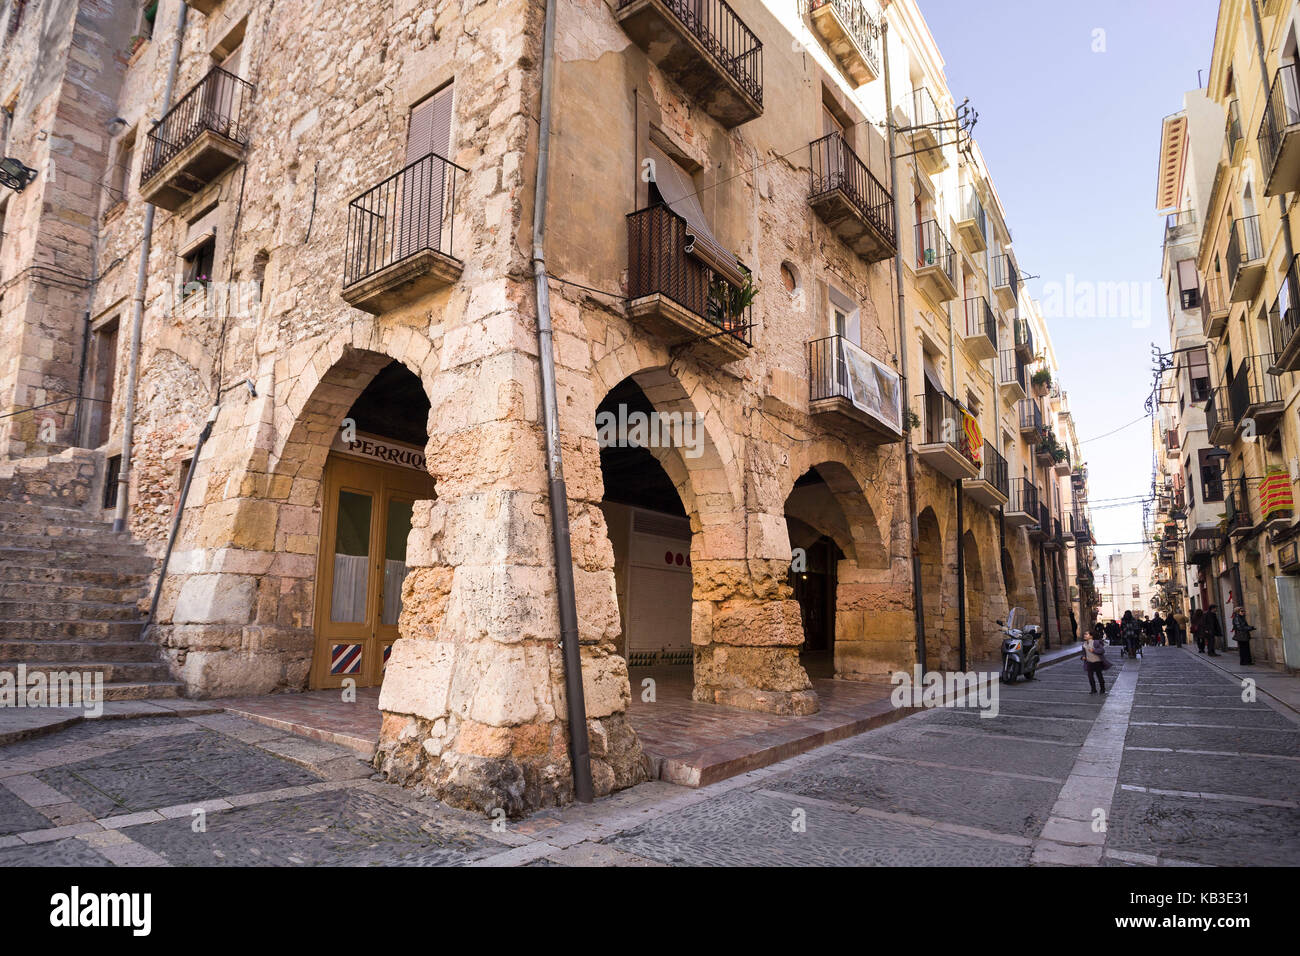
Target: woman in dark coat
[[1241, 629], [1197, 624], [1210, 625], [1171, 631]]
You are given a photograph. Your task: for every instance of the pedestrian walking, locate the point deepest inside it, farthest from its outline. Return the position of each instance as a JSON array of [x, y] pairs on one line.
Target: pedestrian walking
[[1074, 626], [1197, 625], [1094, 660], [1241, 629], [1130, 632], [1171, 631], [1112, 632], [1157, 629], [1210, 623]]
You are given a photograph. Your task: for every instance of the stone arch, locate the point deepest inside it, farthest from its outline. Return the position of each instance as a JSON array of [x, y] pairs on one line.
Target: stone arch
[[930, 548], [976, 597], [709, 484], [858, 532]]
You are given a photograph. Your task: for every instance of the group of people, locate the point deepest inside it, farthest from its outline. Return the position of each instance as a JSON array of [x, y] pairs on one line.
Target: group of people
[[1132, 634]]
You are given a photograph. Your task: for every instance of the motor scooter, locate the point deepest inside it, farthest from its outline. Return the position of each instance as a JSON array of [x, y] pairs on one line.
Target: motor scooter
[[1020, 647]]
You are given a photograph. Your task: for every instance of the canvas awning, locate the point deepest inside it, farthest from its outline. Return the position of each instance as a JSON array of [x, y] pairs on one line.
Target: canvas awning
[[679, 192]]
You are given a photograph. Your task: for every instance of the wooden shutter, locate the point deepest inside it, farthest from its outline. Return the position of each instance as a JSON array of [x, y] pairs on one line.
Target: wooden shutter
[[426, 199]]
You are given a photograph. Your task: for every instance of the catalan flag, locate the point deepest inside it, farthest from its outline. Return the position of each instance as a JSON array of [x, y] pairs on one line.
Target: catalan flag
[[974, 438], [1275, 494]]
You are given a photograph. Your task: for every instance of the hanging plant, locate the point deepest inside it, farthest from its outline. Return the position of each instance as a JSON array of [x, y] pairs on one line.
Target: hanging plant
[[910, 420]]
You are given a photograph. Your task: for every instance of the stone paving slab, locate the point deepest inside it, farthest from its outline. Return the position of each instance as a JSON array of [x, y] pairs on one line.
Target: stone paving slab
[[749, 829], [919, 742], [1281, 742], [345, 827]]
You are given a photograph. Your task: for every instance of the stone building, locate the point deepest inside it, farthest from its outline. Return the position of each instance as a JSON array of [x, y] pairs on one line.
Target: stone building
[[339, 282], [1247, 274]]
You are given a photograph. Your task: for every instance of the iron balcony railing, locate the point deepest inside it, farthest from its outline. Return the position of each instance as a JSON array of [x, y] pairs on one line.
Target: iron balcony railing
[[1236, 505], [1023, 497], [1201, 548], [1216, 410], [1211, 486], [835, 166], [925, 112], [1079, 526], [1011, 368], [1232, 128], [1244, 245], [969, 208], [839, 369], [1252, 386], [1031, 416], [1280, 112], [863, 27], [1286, 307], [658, 264], [980, 319], [934, 249], [1044, 517], [1214, 298], [993, 469], [726, 38], [216, 104], [410, 212], [1005, 274], [945, 424], [1058, 534], [1179, 221], [1024, 336]]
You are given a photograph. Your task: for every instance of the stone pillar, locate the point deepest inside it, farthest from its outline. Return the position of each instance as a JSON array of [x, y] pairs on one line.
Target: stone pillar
[[473, 700], [745, 623]]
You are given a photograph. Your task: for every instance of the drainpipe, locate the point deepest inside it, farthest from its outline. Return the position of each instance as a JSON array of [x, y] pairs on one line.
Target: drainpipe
[[961, 577], [137, 302], [579, 745], [909, 462], [176, 519]]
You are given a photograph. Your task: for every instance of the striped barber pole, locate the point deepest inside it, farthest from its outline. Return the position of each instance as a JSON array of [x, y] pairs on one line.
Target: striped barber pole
[[345, 659]]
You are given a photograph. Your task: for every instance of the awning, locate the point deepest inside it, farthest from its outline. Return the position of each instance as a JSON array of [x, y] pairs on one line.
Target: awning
[[679, 192], [933, 378]]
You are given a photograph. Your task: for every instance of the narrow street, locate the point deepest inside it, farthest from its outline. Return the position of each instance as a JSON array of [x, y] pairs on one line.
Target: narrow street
[[1184, 771]]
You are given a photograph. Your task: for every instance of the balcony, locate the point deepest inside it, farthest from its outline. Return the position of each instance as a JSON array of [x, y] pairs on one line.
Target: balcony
[[1200, 548], [972, 222], [852, 34], [1232, 133], [927, 132], [201, 137], [980, 335], [844, 381], [1024, 340], [1279, 134], [1006, 281], [1214, 308], [1218, 417], [1021, 509], [1171, 444], [1042, 528], [1011, 376], [850, 200], [1031, 420], [399, 237], [946, 445], [936, 262], [705, 48], [1063, 466], [1236, 502], [1245, 260], [1180, 225], [1080, 528], [677, 295], [1254, 396], [991, 488], [1285, 316]]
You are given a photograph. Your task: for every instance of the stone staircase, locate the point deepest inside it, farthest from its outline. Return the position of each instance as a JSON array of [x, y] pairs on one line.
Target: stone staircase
[[71, 588]]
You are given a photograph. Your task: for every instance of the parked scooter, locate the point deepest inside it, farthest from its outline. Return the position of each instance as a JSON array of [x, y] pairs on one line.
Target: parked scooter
[[1020, 647]]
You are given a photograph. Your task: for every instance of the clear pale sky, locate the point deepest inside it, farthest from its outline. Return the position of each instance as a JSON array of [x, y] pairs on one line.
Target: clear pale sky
[[1071, 138]]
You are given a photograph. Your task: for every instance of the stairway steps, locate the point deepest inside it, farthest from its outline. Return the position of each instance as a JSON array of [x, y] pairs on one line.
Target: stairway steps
[[62, 630], [114, 672], [78, 577], [49, 592], [68, 611], [78, 559], [134, 651]]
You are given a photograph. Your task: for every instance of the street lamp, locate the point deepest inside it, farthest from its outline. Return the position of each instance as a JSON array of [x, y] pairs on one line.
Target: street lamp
[[15, 174]]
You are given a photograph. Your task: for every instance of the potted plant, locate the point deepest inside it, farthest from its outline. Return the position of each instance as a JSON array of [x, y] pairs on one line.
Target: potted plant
[[728, 303], [135, 43], [1041, 381]]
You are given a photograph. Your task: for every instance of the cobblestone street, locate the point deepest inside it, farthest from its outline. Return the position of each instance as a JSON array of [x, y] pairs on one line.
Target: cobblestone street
[[1183, 770]]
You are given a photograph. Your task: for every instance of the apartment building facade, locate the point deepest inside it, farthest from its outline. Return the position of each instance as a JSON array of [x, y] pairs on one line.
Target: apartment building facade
[[795, 410], [1246, 266]]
